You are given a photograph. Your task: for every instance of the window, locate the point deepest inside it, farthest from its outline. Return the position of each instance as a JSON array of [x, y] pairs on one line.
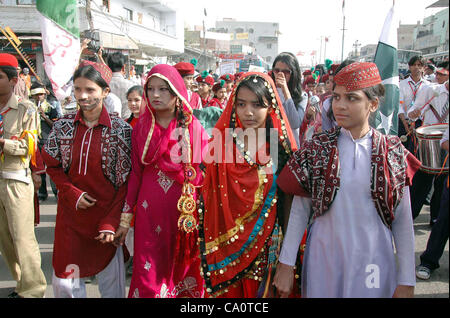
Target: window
[[239, 30], [26, 2], [251, 30], [443, 24], [128, 14], [269, 45]]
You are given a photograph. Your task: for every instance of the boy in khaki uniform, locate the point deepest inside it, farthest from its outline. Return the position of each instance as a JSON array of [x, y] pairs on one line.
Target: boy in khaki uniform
[[18, 245]]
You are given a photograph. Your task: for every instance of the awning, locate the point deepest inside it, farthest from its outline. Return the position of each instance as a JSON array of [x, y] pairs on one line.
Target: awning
[[439, 4]]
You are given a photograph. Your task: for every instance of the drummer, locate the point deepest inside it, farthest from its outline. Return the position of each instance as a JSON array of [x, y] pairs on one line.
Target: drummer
[[429, 259], [432, 108], [410, 89]]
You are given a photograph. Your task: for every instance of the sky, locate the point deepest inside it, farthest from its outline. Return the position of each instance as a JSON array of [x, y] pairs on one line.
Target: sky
[[304, 22]]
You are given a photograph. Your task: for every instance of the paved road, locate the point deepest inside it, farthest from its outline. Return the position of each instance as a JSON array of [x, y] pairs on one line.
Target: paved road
[[436, 287]]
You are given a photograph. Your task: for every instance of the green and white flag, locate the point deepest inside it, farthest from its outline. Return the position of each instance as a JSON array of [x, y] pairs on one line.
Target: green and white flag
[[60, 41], [386, 59]]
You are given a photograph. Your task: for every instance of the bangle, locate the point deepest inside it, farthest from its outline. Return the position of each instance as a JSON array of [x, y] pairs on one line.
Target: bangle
[[125, 220]]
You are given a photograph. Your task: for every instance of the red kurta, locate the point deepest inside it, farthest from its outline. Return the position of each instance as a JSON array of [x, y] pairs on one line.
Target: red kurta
[[216, 102], [76, 229]]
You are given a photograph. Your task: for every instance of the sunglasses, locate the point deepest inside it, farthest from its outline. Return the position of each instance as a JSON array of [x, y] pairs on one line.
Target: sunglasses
[[285, 72]]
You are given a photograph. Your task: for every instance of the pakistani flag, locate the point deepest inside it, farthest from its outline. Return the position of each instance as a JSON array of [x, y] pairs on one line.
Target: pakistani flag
[[386, 58], [60, 41]]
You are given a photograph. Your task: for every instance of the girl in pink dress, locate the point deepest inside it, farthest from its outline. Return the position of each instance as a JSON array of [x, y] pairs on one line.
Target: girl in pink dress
[[162, 187]]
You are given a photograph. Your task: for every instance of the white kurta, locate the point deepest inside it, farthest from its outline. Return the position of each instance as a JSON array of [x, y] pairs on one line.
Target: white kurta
[[349, 250]]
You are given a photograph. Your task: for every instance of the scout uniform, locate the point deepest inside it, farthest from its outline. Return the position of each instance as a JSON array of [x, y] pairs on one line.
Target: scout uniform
[[18, 244]]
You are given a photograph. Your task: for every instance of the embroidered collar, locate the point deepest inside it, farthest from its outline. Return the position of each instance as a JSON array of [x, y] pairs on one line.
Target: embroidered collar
[[103, 120]]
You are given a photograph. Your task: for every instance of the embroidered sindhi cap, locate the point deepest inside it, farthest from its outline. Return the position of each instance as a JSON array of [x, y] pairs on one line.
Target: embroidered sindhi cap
[[8, 60], [358, 76], [103, 69]]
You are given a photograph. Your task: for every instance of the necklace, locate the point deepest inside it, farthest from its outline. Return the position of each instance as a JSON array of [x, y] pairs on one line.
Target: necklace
[[247, 155]]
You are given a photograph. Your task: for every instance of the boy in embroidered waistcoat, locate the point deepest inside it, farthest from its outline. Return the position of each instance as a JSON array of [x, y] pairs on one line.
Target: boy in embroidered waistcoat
[[356, 183], [88, 155]]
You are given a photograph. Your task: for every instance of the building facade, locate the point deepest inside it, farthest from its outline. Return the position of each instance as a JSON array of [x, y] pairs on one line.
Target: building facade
[[145, 30], [262, 37], [432, 35]]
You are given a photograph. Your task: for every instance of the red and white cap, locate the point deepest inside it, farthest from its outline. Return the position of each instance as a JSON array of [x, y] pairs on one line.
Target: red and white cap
[[358, 76]]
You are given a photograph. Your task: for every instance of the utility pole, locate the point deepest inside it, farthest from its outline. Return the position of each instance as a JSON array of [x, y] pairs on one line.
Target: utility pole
[[343, 29], [320, 52], [356, 45], [89, 15], [204, 39]]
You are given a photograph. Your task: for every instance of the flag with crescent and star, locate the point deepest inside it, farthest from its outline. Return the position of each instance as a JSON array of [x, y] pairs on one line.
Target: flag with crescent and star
[[385, 119]]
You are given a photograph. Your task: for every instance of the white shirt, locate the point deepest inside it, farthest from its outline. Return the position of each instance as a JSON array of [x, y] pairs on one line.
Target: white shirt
[[120, 86], [349, 243], [439, 102], [113, 104], [409, 92]]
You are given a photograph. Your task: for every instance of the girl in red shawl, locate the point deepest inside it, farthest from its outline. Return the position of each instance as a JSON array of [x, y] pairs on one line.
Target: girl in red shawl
[[241, 210], [220, 95], [163, 184]]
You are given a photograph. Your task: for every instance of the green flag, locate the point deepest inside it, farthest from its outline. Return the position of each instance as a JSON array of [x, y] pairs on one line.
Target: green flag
[[60, 41], [386, 118], [62, 12]]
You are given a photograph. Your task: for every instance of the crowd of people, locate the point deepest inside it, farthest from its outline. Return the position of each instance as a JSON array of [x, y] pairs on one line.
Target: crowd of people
[[245, 185]]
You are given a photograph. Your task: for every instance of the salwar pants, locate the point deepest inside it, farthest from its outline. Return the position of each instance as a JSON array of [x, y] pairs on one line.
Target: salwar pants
[[111, 281]]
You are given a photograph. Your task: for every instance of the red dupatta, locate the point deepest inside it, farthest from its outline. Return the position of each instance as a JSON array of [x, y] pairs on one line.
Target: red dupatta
[[239, 197]]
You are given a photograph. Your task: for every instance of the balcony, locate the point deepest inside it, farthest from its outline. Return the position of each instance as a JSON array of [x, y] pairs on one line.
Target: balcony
[[112, 29]]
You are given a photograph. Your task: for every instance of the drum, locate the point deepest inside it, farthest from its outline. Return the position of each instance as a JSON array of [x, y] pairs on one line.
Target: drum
[[429, 150]]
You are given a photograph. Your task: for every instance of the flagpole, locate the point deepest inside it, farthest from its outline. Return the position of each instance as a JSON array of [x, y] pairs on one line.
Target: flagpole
[[343, 30]]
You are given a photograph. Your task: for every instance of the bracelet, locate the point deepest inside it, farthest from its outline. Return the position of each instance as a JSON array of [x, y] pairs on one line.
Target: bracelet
[[125, 220]]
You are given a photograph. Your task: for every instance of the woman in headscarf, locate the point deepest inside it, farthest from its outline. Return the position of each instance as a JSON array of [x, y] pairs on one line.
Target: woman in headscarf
[[353, 182], [241, 208], [166, 152]]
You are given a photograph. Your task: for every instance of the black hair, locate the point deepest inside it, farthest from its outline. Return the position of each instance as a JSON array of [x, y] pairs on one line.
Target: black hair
[[37, 85], [136, 88], [416, 58], [258, 88], [374, 92], [338, 69], [10, 71], [443, 64], [90, 73], [116, 61], [295, 82]]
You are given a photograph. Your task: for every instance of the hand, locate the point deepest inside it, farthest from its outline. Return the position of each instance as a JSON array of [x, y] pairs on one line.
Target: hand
[[105, 237], [403, 291], [284, 279], [41, 112], [37, 181], [84, 44], [414, 114], [310, 112], [119, 237], [280, 81], [86, 201]]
